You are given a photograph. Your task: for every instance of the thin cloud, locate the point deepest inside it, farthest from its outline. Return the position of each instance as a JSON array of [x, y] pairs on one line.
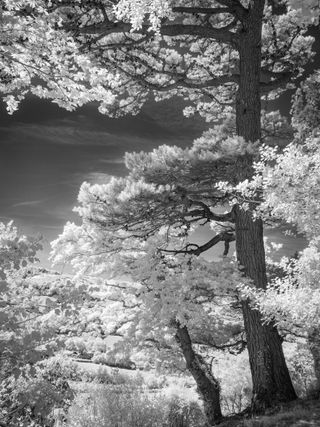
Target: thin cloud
[[59, 134], [92, 177], [119, 161], [28, 203], [62, 132], [97, 178]]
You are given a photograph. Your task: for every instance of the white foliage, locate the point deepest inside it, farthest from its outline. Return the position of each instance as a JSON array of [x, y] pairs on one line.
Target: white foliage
[[44, 50], [136, 11], [289, 184]]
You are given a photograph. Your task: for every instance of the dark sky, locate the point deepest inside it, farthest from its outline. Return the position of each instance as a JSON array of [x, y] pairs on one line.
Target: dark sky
[[46, 153]]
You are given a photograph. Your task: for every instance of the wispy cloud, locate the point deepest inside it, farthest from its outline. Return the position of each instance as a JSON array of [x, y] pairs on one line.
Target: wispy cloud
[[60, 133], [118, 161], [97, 178], [28, 203]]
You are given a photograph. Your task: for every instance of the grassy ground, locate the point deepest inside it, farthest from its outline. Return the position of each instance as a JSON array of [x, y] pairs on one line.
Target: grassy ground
[[302, 413], [169, 384]]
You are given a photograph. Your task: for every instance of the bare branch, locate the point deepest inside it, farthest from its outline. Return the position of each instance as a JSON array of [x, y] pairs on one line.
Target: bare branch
[[237, 346], [226, 247], [235, 7], [207, 213], [281, 81], [201, 10], [173, 30], [221, 237]]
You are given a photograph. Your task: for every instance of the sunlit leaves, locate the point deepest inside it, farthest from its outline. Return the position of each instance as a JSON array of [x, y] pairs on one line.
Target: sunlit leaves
[[115, 53]]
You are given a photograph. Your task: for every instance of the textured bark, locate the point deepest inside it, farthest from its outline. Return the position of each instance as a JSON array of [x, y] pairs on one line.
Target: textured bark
[[208, 387], [270, 376], [314, 345]]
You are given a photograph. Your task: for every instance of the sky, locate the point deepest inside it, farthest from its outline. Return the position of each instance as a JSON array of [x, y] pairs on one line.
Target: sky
[[47, 152]]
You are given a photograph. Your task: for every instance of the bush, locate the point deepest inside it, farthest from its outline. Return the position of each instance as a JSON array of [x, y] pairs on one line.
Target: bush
[[113, 406], [123, 406], [78, 345], [110, 376], [183, 414], [233, 372], [300, 364], [60, 368], [31, 399]]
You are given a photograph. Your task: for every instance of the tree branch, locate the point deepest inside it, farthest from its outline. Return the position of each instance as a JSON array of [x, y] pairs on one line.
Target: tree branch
[[221, 237], [207, 213], [201, 10], [235, 7], [131, 366], [238, 346], [282, 80], [173, 30]]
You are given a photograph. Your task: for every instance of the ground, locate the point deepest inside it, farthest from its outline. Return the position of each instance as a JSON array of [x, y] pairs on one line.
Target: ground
[[301, 413]]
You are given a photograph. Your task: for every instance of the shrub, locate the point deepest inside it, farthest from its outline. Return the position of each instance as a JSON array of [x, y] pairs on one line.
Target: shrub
[[60, 368], [30, 399], [183, 414], [123, 406], [110, 376], [234, 374], [114, 406], [78, 346], [300, 364]]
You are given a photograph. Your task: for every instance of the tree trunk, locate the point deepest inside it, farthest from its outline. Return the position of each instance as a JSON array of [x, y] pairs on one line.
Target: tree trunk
[[270, 376], [208, 387], [314, 346]]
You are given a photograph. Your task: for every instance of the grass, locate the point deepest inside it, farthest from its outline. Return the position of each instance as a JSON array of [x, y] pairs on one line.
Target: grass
[[301, 413], [109, 397]]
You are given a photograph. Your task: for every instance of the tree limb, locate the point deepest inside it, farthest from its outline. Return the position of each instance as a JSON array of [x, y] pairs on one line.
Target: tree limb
[[282, 80], [235, 7], [201, 10], [207, 213], [173, 30], [221, 237], [238, 346]]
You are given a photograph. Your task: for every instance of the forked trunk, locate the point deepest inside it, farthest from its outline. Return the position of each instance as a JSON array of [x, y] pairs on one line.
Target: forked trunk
[[208, 387], [270, 376]]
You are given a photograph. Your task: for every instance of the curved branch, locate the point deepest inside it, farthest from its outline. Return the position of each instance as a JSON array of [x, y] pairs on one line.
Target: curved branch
[[207, 213], [221, 237]]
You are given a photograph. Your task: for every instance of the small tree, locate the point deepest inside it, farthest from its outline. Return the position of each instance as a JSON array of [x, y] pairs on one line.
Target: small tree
[[37, 311], [173, 299]]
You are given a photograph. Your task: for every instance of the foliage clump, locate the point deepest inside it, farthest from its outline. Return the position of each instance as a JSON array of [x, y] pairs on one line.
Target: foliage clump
[[130, 406]]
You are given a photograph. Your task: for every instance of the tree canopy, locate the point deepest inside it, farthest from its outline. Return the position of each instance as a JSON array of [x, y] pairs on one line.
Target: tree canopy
[[118, 52]]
